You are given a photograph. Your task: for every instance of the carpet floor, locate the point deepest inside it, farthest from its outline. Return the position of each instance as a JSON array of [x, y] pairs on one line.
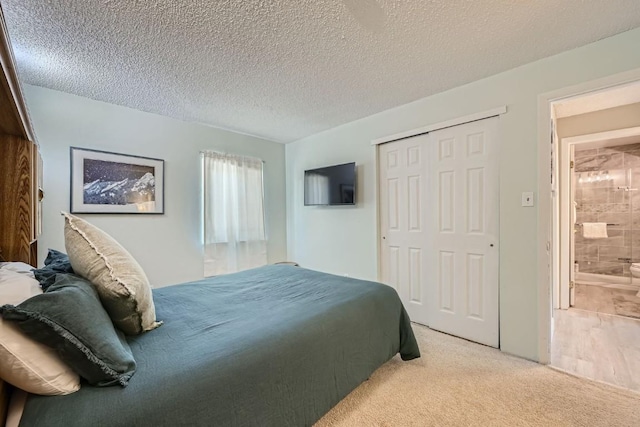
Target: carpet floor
[[459, 383]]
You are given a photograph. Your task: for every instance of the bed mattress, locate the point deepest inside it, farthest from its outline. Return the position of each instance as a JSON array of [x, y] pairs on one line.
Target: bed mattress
[[273, 346]]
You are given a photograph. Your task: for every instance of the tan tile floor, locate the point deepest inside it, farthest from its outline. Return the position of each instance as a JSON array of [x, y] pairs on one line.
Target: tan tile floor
[[607, 300], [599, 346]]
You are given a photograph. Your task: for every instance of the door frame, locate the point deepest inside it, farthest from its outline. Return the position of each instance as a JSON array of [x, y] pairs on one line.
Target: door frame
[[548, 205], [564, 224], [564, 218]]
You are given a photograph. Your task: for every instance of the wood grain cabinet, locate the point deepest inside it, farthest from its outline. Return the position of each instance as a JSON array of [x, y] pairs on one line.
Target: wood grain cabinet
[[20, 176], [20, 166], [20, 186]]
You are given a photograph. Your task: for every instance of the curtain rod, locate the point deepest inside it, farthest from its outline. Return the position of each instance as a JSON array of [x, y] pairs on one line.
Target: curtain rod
[[224, 153]]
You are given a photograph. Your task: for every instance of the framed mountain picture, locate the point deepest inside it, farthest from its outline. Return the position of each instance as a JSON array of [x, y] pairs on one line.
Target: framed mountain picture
[[104, 182]]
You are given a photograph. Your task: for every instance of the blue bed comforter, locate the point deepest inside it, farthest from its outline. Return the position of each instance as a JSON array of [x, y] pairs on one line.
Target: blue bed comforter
[[273, 346]]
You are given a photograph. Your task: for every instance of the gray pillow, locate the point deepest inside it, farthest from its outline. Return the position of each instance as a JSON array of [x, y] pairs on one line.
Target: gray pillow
[[70, 318], [56, 262]]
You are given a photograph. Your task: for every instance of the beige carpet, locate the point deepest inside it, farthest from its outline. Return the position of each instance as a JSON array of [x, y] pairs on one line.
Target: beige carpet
[[459, 383]]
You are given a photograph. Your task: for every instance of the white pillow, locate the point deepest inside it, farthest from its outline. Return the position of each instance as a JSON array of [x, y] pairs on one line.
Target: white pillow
[[16, 287], [18, 267], [123, 287], [25, 363]]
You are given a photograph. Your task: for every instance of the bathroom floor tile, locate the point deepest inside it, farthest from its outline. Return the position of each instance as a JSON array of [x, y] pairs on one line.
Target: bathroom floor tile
[[599, 346], [621, 302]]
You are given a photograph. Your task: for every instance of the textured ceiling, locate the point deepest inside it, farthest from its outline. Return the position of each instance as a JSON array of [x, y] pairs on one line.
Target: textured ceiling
[[282, 69]]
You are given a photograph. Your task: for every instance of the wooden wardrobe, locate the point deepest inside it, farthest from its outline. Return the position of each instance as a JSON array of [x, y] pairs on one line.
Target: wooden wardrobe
[[20, 166], [20, 177]]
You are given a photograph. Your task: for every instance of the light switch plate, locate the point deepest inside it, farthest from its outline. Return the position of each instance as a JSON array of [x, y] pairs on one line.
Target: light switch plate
[[527, 198]]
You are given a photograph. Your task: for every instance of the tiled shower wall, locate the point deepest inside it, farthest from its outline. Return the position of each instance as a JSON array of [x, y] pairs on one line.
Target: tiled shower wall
[[598, 174]]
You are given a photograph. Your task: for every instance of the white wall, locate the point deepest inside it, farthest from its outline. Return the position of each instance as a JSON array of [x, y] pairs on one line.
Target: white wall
[[343, 241], [167, 246]]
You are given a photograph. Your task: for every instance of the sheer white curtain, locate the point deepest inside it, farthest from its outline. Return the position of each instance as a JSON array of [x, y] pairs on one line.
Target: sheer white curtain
[[234, 235]]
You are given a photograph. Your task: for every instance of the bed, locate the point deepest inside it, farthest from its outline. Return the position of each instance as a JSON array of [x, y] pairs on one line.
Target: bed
[[273, 346]]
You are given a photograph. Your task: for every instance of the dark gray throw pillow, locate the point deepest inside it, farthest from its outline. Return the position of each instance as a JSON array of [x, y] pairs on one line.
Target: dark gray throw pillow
[[70, 318], [56, 262]]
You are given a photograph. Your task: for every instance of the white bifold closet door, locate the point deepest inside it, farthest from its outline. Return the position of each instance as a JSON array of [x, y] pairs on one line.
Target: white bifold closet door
[[404, 221], [439, 227]]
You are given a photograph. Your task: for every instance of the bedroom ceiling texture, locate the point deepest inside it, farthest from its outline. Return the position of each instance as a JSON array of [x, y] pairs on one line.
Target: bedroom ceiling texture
[[286, 69]]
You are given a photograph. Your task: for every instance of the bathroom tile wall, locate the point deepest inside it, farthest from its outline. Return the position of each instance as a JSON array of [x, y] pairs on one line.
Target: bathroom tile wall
[[598, 175]]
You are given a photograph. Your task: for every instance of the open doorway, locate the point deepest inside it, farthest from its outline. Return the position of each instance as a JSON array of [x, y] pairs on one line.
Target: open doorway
[[596, 234], [603, 200]]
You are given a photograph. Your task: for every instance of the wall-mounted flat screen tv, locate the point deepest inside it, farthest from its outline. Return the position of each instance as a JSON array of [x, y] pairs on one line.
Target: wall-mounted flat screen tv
[[330, 186]]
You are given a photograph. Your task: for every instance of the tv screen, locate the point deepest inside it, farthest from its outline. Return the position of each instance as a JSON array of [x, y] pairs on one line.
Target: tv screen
[[332, 185]]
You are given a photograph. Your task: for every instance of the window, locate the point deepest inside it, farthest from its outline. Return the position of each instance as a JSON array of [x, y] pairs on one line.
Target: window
[[234, 232]]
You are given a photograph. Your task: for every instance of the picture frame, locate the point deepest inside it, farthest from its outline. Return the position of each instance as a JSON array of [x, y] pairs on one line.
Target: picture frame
[[114, 183]]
